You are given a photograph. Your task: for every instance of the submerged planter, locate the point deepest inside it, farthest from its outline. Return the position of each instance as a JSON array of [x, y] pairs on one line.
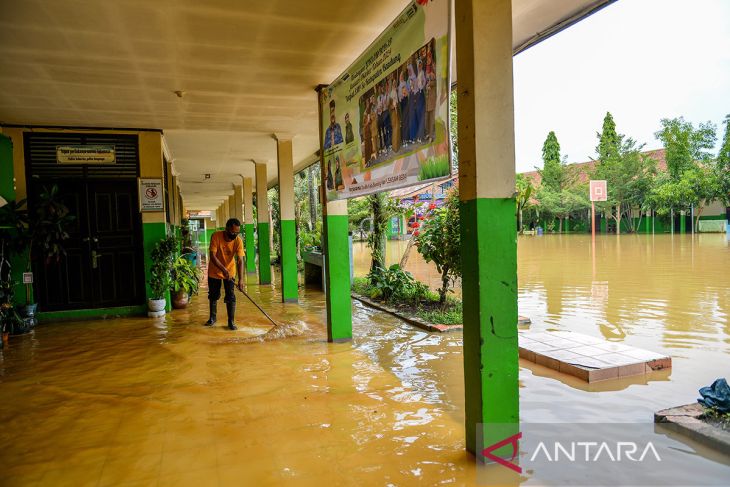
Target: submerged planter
[[156, 307], [180, 300]]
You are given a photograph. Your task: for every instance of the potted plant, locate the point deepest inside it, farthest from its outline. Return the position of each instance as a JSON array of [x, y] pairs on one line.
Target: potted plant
[[162, 256], [14, 241], [48, 226], [10, 321], [185, 278]]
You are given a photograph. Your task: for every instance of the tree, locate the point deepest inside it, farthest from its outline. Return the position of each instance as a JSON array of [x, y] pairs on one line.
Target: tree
[[697, 186], [625, 170], [524, 190], [684, 145], [553, 170], [693, 177], [556, 193], [382, 208], [609, 140], [453, 130], [723, 165], [440, 242], [358, 210]]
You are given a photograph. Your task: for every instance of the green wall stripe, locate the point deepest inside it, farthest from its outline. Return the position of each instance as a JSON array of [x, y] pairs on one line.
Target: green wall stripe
[[7, 191], [289, 281], [250, 248], [81, 314], [489, 293], [264, 253], [151, 234], [7, 186], [337, 278]]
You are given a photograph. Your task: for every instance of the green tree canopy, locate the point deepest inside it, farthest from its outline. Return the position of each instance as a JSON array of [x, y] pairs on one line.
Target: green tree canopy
[[685, 145], [553, 170], [609, 141], [627, 172]]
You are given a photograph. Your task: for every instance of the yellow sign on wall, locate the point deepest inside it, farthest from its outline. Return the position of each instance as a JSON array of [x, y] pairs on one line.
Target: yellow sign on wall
[[86, 154]]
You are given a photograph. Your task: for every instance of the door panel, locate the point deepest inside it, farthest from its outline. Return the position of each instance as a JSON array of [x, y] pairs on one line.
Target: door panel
[[66, 284], [116, 239], [103, 266]]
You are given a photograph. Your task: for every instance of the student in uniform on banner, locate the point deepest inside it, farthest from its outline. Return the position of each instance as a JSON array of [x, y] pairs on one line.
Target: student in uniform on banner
[[349, 136], [394, 115], [430, 95]]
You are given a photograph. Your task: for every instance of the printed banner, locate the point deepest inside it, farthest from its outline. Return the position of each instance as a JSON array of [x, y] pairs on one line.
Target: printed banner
[[385, 121]]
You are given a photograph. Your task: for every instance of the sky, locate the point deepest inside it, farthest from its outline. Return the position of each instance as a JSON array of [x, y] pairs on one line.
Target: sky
[[642, 60]]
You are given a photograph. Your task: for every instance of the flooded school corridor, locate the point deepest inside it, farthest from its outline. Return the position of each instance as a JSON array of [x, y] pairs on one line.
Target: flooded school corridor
[[138, 401]]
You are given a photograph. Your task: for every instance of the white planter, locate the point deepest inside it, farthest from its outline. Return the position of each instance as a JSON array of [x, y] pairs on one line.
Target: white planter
[[156, 305]]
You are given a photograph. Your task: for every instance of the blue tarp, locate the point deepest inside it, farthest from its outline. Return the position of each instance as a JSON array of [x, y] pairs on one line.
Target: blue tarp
[[716, 396]]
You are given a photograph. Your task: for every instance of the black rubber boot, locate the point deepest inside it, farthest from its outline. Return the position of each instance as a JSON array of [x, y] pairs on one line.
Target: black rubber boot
[[213, 312], [231, 308]]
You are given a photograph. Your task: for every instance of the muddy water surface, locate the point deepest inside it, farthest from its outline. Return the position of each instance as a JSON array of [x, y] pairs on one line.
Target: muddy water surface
[[169, 402]]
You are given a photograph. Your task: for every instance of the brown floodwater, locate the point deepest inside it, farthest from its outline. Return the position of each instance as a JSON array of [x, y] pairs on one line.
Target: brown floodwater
[[138, 401]]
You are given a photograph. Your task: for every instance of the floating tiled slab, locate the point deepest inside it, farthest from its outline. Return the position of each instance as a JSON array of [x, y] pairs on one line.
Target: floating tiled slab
[[588, 358]]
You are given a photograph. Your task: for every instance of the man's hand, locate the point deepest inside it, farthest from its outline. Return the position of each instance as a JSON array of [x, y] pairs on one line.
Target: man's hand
[[239, 285], [226, 274]]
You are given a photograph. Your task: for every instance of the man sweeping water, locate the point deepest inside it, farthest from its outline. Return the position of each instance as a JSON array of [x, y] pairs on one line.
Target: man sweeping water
[[225, 246]]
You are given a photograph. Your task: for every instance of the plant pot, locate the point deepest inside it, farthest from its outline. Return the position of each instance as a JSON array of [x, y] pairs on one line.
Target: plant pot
[[5, 336], [180, 299], [156, 305], [29, 310]]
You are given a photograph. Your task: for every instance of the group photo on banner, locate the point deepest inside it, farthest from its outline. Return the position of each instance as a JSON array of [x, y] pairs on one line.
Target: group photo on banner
[[385, 120]]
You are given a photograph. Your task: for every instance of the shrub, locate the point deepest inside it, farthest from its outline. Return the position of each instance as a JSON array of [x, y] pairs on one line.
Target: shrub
[[391, 283], [439, 241]]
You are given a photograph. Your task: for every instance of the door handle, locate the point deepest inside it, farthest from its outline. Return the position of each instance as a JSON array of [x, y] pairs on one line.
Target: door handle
[[94, 259]]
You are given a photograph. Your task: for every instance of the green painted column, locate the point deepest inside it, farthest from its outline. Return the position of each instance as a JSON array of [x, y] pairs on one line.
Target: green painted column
[[647, 222], [682, 222], [566, 223], [287, 219], [7, 183], [264, 230], [337, 271], [336, 256], [604, 224], [488, 230], [7, 191], [248, 227]]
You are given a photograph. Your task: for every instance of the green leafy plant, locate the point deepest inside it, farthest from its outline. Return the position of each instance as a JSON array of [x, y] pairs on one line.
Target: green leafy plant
[[42, 232], [162, 255], [184, 276], [439, 241], [391, 283]]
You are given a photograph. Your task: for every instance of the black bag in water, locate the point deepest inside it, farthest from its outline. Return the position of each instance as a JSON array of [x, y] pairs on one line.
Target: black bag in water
[[716, 396]]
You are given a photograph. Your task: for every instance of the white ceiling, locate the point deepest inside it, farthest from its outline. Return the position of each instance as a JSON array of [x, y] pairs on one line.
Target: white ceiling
[[247, 68]]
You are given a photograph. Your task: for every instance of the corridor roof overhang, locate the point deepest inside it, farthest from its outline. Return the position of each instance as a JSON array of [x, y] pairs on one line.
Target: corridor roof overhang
[[246, 70]]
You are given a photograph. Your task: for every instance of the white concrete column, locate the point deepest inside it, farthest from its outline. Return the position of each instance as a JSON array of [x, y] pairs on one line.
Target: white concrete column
[[263, 223], [287, 223]]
